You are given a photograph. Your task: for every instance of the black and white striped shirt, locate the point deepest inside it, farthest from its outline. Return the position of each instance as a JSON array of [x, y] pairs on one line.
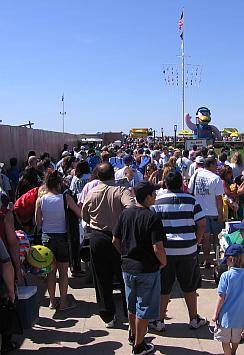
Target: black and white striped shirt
[[179, 213]]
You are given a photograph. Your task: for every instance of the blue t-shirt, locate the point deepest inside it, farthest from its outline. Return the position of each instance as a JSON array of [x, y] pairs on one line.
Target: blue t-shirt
[[93, 161], [231, 286]]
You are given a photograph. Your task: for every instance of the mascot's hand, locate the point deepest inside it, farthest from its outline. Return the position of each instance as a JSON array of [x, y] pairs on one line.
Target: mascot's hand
[[189, 123], [187, 117]]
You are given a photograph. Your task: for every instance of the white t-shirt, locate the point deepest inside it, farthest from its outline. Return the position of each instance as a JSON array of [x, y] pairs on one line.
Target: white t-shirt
[[192, 169], [207, 186], [119, 174], [78, 156], [164, 158]]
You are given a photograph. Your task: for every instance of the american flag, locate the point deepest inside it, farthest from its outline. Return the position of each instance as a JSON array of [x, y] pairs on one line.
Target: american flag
[[181, 25]]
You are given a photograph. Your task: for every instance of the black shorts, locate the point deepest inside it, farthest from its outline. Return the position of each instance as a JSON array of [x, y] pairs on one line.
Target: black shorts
[[185, 269], [58, 244]]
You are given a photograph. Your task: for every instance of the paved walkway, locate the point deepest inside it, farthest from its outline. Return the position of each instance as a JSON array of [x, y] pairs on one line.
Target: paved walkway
[[80, 331]]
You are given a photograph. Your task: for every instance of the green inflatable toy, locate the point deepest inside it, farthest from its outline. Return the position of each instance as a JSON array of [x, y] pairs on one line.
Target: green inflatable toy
[[40, 257]]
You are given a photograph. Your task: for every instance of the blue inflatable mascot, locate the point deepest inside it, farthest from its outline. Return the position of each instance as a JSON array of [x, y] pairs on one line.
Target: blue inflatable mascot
[[202, 129]]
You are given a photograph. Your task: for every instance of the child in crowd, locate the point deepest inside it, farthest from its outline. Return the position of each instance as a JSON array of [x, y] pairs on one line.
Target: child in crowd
[[229, 311]]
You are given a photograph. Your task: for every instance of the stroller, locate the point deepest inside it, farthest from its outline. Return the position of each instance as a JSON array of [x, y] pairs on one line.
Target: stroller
[[232, 234]]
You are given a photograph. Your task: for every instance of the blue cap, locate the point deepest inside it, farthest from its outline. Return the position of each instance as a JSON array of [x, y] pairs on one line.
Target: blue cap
[[233, 250]]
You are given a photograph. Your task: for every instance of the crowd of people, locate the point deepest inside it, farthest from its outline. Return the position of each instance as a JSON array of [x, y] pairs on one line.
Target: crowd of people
[[147, 212]]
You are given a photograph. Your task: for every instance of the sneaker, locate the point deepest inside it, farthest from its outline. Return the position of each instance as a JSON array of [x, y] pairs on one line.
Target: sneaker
[[131, 338], [143, 348], [198, 322], [157, 325], [54, 305], [111, 324]]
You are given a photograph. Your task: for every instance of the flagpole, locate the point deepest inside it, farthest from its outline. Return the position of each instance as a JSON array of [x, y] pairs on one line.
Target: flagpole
[[63, 113], [183, 76]]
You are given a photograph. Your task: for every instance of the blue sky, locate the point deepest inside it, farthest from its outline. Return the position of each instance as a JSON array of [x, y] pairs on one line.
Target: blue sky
[[107, 57]]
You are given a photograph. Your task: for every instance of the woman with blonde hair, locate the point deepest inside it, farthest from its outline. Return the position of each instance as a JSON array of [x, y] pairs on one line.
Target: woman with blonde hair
[[166, 169], [237, 164], [172, 162]]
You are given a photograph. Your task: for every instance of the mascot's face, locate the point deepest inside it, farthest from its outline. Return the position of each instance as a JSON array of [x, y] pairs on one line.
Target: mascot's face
[[40, 256], [203, 116]]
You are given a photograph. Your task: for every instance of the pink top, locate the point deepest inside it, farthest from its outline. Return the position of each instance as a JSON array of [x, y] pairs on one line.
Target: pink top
[[87, 188]]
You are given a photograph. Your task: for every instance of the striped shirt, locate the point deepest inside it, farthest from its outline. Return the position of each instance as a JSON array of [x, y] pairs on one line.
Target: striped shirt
[[179, 213]]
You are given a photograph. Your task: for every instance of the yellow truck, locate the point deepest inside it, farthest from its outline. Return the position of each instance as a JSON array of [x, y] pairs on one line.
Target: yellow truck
[[139, 132]]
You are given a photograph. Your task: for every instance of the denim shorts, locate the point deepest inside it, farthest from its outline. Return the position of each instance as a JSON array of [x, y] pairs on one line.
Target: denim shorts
[[143, 294], [213, 226]]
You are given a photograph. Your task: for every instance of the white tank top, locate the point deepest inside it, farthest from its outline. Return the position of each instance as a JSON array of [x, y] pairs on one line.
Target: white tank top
[[53, 215]]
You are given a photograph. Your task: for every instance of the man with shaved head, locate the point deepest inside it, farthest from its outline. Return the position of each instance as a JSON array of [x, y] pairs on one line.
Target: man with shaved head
[[101, 210]]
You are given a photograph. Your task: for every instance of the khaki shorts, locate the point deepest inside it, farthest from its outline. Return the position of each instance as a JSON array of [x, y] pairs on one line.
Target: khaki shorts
[[228, 335]]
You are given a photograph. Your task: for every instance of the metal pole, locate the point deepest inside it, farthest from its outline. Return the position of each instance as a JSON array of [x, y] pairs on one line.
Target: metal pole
[[175, 137], [183, 79], [63, 113]]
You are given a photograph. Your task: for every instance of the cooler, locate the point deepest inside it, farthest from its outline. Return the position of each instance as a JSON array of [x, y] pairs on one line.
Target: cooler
[[27, 305], [231, 226]]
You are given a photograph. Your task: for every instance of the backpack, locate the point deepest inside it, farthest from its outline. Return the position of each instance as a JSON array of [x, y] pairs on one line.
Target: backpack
[[24, 207]]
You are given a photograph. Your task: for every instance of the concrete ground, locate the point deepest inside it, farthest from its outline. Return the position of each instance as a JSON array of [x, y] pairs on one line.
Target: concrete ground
[[81, 331]]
